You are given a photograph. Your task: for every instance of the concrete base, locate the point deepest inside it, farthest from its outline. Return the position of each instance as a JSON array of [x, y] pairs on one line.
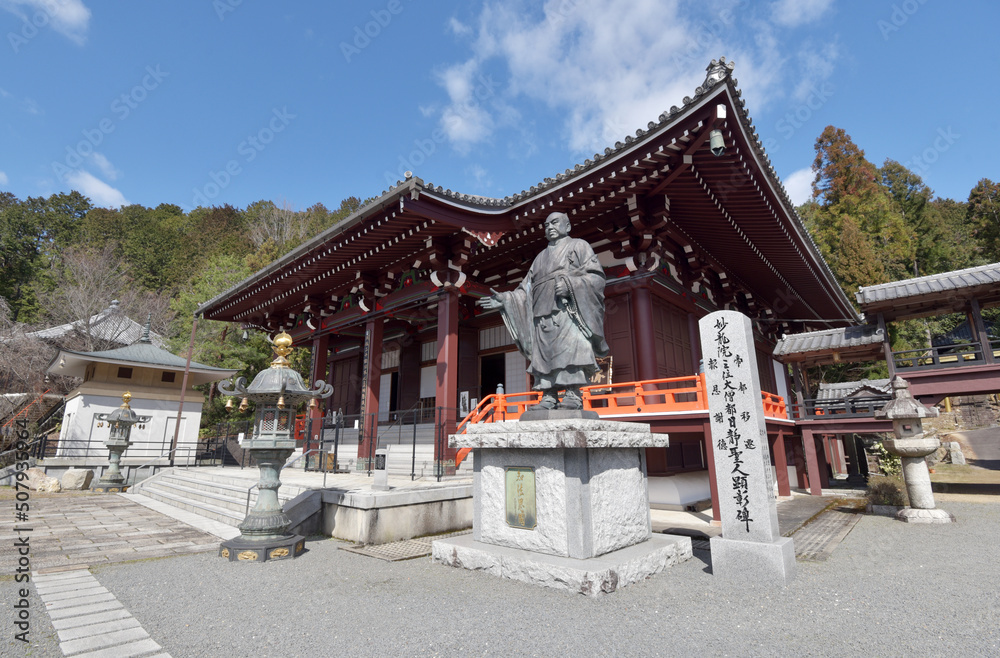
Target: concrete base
[[104, 487], [591, 576], [379, 517], [754, 563], [558, 414], [913, 515], [282, 548]]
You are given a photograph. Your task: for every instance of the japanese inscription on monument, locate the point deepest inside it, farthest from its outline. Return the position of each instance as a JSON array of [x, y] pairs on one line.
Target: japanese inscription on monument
[[739, 434], [520, 490]]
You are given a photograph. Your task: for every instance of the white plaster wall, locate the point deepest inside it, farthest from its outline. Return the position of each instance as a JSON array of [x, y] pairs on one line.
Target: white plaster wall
[[80, 426], [681, 489]]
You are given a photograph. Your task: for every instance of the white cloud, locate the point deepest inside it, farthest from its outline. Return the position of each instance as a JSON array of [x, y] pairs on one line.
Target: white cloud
[[102, 163], [458, 27], [799, 185], [816, 64], [71, 18], [3, 178], [609, 66], [100, 193], [465, 121], [792, 13]]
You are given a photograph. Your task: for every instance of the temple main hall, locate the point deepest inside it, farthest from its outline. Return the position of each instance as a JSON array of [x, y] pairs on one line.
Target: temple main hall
[[686, 215]]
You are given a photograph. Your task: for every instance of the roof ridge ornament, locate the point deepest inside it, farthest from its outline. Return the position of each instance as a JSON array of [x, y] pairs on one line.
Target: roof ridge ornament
[[717, 71]]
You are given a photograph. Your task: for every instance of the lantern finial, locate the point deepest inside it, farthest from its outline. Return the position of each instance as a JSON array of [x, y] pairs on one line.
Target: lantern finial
[[282, 347]]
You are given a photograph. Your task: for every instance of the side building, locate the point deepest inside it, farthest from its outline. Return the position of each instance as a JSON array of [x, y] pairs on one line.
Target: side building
[[687, 216]]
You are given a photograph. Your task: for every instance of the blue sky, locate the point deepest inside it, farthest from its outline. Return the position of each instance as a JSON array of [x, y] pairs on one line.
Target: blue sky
[[232, 101]]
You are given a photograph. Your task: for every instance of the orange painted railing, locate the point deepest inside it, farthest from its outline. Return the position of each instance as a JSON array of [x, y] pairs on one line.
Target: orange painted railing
[[674, 394], [774, 405], [652, 396], [24, 410]]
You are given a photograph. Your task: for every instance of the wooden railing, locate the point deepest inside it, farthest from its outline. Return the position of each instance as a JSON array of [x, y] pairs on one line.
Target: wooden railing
[[944, 356], [654, 396]]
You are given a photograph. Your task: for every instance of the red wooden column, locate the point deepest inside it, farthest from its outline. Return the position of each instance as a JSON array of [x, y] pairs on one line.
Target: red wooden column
[[824, 467], [320, 348], [371, 374], [642, 324], [713, 485], [446, 392], [812, 462], [781, 463]]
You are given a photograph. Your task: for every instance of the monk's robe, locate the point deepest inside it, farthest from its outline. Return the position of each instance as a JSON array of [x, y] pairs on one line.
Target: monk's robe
[[559, 335]]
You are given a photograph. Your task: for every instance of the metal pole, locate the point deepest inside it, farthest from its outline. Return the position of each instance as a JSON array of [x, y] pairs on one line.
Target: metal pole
[[336, 436], [413, 464], [371, 441], [184, 383]]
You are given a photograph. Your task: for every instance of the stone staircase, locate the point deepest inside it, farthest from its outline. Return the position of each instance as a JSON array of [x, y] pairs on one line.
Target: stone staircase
[[217, 497]]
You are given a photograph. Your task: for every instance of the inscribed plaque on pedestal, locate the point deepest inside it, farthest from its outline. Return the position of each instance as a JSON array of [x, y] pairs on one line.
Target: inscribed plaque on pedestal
[[520, 490]]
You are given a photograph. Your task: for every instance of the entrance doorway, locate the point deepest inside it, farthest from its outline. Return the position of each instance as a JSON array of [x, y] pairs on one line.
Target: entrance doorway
[[492, 371]]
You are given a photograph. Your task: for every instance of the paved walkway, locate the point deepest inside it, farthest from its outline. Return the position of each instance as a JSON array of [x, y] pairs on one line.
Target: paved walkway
[[83, 528], [89, 621]]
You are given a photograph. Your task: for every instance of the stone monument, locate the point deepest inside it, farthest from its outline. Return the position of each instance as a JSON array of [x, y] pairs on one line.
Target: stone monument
[[911, 445], [560, 497], [750, 548]]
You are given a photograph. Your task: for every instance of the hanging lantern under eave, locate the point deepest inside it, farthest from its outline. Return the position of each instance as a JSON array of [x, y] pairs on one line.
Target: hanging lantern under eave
[[716, 143]]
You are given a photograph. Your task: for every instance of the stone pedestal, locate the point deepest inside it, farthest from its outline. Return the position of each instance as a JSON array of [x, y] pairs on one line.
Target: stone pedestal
[[113, 481], [264, 532], [911, 452], [562, 503]]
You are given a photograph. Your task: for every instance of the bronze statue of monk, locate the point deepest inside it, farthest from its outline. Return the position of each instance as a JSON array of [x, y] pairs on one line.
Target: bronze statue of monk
[[556, 316]]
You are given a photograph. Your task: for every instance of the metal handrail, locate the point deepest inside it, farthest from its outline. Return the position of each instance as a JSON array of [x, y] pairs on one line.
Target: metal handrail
[[287, 464], [247, 509], [138, 468], [25, 408]]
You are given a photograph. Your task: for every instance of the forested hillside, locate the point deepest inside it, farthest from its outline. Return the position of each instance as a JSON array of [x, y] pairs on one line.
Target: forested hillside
[[61, 259]]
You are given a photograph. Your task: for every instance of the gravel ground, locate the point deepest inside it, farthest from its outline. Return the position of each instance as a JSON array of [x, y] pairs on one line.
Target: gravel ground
[[889, 589]]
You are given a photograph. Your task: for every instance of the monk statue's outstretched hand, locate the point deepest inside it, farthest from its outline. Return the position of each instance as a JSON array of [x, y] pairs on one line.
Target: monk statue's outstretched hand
[[491, 302]]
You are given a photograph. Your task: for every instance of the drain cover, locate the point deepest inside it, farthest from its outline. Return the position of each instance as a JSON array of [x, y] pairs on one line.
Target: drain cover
[[400, 550]]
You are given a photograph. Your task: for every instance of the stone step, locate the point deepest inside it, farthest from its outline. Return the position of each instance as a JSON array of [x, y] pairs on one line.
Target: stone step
[[207, 510], [233, 482], [194, 480], [223, 499]]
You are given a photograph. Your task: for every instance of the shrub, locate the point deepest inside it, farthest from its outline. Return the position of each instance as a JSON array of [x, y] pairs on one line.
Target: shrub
[[886, 490], [888, 463]]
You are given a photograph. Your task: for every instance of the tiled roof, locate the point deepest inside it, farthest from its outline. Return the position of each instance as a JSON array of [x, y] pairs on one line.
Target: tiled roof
[[110, 325], [144, 353], [829, 339], [934, 283], [717, 72], [841, 390]]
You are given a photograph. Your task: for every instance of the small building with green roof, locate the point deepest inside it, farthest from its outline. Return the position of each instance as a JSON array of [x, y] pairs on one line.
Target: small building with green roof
[[154, 377]]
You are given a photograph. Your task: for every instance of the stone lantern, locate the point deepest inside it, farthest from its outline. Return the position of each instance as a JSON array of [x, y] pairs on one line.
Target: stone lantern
[[120, 421], [911, 445], [276, 392]]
